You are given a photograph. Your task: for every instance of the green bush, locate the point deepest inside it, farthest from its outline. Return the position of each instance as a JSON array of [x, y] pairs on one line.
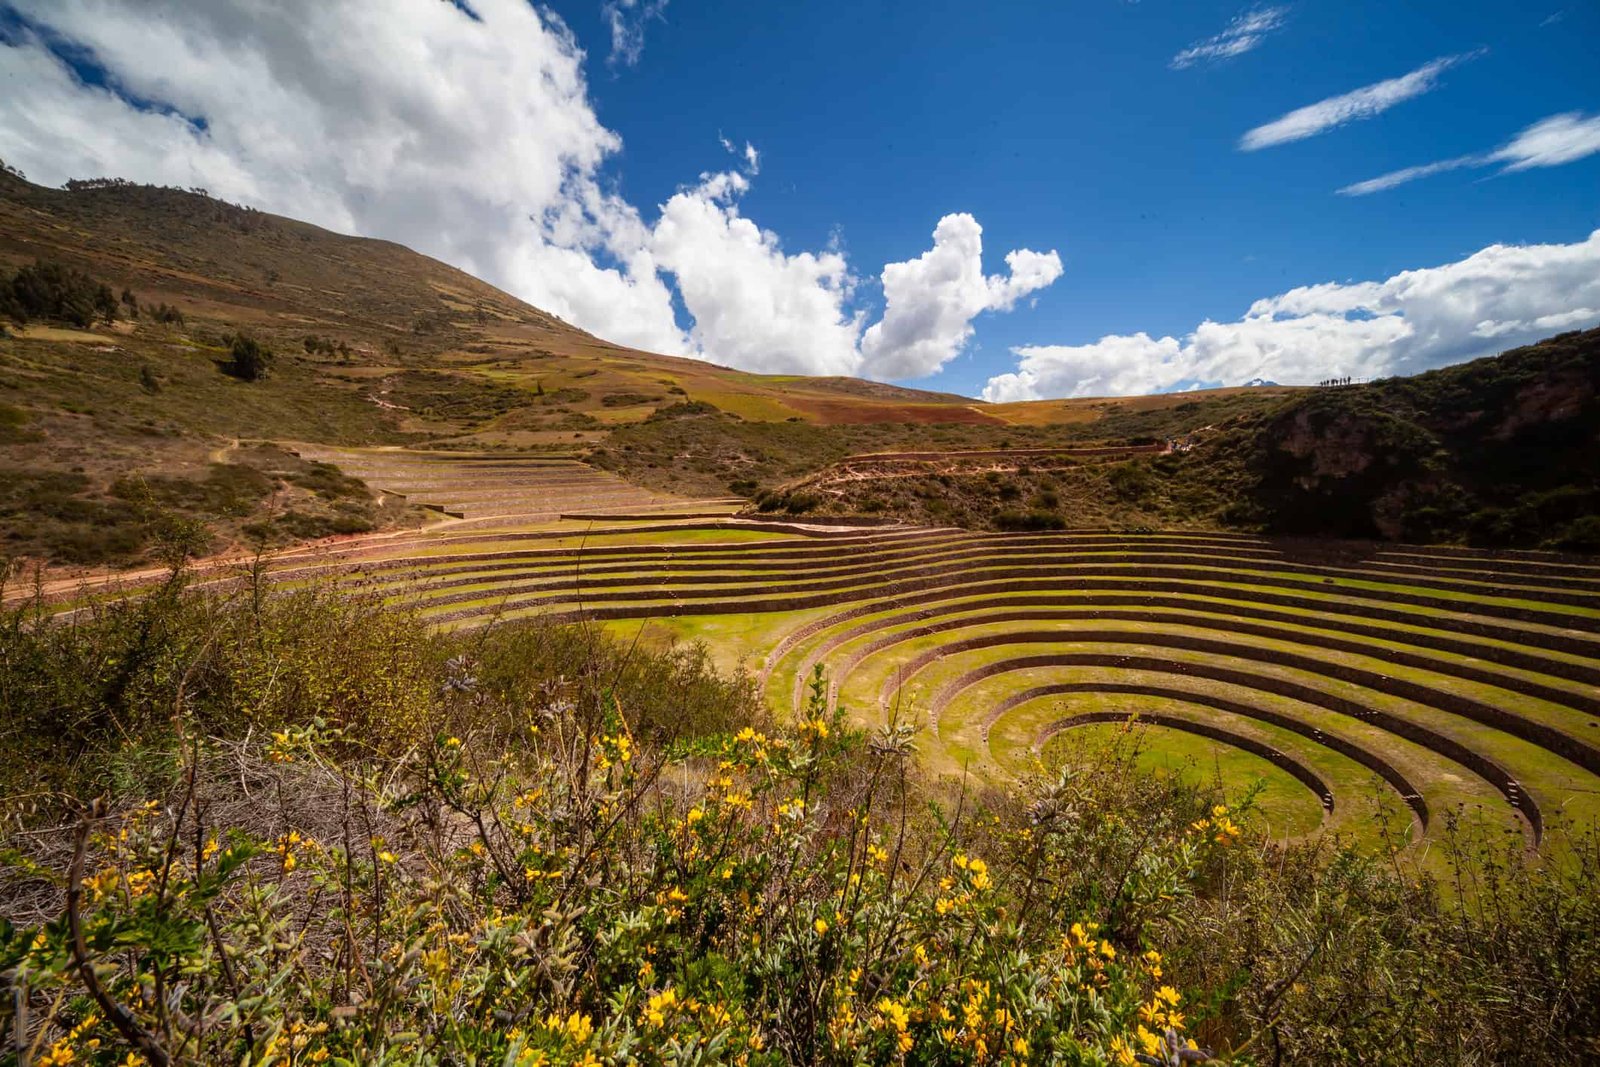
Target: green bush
[[250, 359], [1036, 520]]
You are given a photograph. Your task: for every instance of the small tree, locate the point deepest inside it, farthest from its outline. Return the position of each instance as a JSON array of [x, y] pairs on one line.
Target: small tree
[[251, 359]]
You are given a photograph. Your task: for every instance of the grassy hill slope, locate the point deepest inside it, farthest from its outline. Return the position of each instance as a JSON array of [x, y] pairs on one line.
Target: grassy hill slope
[[374, 345], [1501, 451]]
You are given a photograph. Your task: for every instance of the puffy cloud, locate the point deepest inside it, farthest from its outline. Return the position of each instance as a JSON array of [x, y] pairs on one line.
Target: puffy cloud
[[1496, 298], [1361, 103], [626, 20], [465, 132], [930, 301], [1549, 142], [1243, 34], [754, 306]]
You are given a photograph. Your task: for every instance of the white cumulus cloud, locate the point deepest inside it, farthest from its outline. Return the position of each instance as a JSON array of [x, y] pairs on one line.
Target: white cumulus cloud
[[1549, 142], [755, 306], [930, 301], [1361, 103], [467, 135], [1496, 298], [1243, 34]]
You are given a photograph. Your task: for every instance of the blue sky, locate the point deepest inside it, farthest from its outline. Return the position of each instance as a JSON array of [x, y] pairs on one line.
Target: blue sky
[[1061, 125], [595, 183]]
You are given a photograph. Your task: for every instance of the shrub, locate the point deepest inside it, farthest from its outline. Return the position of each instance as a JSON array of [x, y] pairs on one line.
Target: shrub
[[1015, 521], [251, 360], [1581, 535]]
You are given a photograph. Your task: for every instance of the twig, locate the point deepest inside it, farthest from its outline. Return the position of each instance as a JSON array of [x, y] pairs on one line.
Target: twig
[[120, 1017]]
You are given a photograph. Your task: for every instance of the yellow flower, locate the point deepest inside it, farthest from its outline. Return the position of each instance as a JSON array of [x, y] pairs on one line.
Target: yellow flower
[[656, 1008], [387, 857], [1122, 1052], [452, 742], [820, 926], [1148, 1041], [576, 1026], [58, 1054], [1169, 996]]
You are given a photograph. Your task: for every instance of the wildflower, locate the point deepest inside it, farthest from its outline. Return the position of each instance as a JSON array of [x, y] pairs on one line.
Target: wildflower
[[57, 1054], [820, 926], [1169, 996], [893, 1014], [1148, 1041], [659, 1005], [452, 742], [387, 856], [577, 1027], [1122, 1052]]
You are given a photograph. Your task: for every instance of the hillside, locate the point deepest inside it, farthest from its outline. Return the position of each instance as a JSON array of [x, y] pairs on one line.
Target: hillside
[[1499, 452], [373, 345], [376, 345]]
